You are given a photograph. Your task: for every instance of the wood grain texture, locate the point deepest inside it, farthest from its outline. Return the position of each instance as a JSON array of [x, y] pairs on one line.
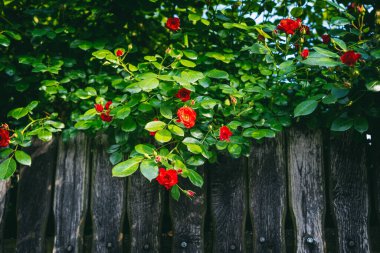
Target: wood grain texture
[[4, 186], [267, 194], [228, 203], [108, 201], [34, 197], [307, 189], [71, 193], [349, 192], [375, 161], [188, 216], [145, 209]]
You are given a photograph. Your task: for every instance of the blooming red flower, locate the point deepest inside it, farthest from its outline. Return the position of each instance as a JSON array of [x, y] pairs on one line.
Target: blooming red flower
[[350, 58], [224, 133], [167, 178], [105, 116], [119, 53], [4, 137], [326, 39], [183, 94], [187, 116], [190, 193], [108, 104], [305, 53], [98, 107], [289, 26], [173, 24]]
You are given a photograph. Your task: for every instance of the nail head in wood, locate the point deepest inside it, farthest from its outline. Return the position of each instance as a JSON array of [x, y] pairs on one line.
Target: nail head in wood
[[146, 246], [69, 248], [262, 239], [183, 244], [232, 247], [109, 245]]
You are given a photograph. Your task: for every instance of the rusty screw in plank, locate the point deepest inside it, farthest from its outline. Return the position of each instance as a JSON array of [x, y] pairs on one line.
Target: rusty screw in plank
[[183, 244], [69, 248], [351, 244], [262, 239], [146, 246], [233, 247]]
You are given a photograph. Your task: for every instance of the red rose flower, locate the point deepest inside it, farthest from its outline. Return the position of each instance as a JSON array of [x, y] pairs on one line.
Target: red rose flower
[[289, 26], [326, 39], [187, 116], [108, 104], [98, 107], [119, 53], [190, 193], [224, 133], [183, 94], [350, 58], [173, 24], [4, 138], [105, 116], [167, 178], [305, 53]]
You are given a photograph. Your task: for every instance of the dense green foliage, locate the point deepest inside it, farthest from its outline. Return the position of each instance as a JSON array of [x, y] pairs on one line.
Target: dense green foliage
[[59, 59]]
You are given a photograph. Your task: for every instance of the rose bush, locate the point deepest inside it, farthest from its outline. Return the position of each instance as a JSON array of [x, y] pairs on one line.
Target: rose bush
[[183, 89]]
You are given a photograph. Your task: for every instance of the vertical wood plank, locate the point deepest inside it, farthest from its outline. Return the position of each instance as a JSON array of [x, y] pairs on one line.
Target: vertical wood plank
[[375, 154], [307, 189], [267, 194], [108, 201], [228, 203], [71, 194], [34, 197], [188, 216], [349, 192], [4, 186], [145, 209]]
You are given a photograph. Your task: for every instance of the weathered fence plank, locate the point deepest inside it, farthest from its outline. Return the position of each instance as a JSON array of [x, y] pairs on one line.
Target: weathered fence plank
[[108, 201], [188, 216], [34, 197], [71, 193], [267, 194], [306, 188], [228, 203], [4, 186], [349, 192], [145, 209], [375, 154]]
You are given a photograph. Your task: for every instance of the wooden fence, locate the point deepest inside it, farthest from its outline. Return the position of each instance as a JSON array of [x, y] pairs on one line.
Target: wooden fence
[[303, 191]]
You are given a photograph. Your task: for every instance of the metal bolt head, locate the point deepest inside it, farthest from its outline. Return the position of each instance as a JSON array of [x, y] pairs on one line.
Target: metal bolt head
[[351, 244], [146, 246], [262, 239], [183, 244], [69, 248], [233, 247]]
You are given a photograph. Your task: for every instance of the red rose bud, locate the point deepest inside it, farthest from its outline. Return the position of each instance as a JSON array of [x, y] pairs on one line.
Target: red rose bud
[[179, 171], [225, 133], [350, 58], [157, 159], [289, 26], [152, 133], [326, 39], [108, 104], [186, 116], [183, 94], [233, 100], [192, 102], [119, 53], [98, 107], [167, 178], [305, 53], [4, 137], [173, 24], [190, 193], [105, 116], [305, 29]]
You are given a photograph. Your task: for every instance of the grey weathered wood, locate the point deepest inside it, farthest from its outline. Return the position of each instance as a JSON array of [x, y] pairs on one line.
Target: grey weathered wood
[[145, 210], [108, 201], [267, 194], [349, 192], [4, 186], [188, 216], [375, 140], [307, 189], [228, 203], [71, 193], [34, 197]]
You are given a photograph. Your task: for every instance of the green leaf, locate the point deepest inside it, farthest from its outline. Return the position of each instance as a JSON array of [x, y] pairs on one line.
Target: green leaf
[[83, 125], [217, 74], [373, 86], [7, 168], [155, 126], [188, 63], [127, 167], [340, 43], [23, 158], [44, 135], [361, 124], [326, 52], [4, 41], [163, 136], [18, 113], [129, 125], [32, 105], [305, 108], [176, 130], [5, 152], [149, 169], [195, 178], [342, 124], [101, 54], [296, 12], [144, 149], [148, 84], [257, 49], [339, 21], [194, 148], [122, 112], [166, 111], [192, 55], [13, 35], [322, 62], [116, 157], [175, 193], [261, 133]]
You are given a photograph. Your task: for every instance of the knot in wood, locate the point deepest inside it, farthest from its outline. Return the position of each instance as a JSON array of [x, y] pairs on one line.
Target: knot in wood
[[69, 248], [146, 246], [233, 247], [262, 239], [351, 244], [183, 244], [109, 245], [310, 240]]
